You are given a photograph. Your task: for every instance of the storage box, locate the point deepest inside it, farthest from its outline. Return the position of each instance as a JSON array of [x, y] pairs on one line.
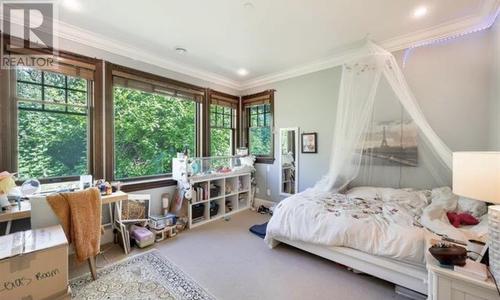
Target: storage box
[[198, 210], [160, 222], [34, 264], [142, 237]]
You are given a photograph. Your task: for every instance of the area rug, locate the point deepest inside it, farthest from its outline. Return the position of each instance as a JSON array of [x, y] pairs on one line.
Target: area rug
[[147, 275]]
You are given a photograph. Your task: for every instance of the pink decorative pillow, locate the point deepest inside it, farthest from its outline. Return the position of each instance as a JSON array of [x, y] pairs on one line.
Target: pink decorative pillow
[[461, 219]]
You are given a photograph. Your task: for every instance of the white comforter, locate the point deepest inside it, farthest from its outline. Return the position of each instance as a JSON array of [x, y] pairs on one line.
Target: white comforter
[[380, 221], [378, 226]]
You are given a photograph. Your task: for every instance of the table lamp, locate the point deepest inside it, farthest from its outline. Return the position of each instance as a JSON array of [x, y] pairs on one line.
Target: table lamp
[[476, 175]]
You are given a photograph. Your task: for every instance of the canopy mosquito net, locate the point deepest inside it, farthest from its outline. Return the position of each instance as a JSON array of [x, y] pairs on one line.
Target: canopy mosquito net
[[381, 137]]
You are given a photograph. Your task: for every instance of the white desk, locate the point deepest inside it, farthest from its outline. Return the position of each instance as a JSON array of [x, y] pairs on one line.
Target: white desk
[[24, 212]]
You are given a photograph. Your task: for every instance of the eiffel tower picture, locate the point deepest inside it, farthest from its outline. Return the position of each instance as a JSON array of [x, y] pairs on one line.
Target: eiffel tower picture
[[392, 143]]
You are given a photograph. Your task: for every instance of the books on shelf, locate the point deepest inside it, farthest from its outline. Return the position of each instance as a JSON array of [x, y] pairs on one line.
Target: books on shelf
[[200, 193]]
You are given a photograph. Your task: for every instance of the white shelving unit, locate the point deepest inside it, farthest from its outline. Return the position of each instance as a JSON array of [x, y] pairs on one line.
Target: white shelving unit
[[234, 196]]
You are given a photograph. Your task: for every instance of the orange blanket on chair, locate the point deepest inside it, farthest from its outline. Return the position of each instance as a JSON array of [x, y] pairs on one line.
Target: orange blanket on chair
[[80, 217]]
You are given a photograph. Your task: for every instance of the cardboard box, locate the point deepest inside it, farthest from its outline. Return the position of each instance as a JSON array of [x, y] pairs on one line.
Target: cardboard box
[[34, 264]]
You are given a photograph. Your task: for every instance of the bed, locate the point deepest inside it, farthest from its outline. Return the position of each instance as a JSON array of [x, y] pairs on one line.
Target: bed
[[379, 231]]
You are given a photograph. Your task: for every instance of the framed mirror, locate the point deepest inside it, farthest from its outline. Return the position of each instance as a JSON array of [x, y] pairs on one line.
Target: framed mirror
[[289, 160]]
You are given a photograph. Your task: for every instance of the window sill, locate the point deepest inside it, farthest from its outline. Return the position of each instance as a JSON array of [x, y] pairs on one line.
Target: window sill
[[140, 185], [264, 160]]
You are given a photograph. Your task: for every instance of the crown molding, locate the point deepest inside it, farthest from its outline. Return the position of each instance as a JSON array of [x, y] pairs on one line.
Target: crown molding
[[82, 36], [483, 19], [85, 37]]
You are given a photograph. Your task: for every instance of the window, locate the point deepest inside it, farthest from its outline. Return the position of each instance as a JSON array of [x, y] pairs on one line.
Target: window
[[152, 120], [222, 130], [259, 125], [52, 124], [150, 129], [259, 131]]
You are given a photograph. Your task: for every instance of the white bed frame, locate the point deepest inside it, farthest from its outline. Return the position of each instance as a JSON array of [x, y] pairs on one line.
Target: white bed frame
[[407, 275]]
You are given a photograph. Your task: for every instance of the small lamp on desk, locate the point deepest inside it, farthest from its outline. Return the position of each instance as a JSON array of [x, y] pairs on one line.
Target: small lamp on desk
[[476, 175]]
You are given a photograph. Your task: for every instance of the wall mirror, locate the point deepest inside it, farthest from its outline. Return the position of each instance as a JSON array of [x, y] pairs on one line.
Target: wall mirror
[[288, 160]]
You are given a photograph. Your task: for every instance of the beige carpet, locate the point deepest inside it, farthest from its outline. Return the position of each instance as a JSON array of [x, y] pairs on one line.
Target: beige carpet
[[231, 263]]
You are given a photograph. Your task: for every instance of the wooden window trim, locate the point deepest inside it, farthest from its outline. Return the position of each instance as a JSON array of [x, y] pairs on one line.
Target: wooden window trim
[[8, 111], [153, 181], [220, 98], [258, 98]]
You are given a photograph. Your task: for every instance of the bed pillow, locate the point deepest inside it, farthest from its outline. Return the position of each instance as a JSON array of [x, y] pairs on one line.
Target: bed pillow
[[474, 207], [445, 198]]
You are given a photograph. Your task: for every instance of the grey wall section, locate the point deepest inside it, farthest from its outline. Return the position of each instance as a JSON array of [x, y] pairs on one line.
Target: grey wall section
[[453, 82], [307, 102], [156, 195]]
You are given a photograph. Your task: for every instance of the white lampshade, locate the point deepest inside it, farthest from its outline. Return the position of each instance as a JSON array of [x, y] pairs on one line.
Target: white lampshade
[[476, 175]]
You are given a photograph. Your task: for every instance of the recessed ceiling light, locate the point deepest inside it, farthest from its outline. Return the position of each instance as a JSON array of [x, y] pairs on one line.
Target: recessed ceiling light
[[180, 50], [420, 12], [248, 5], [242, 72], [73, 5]]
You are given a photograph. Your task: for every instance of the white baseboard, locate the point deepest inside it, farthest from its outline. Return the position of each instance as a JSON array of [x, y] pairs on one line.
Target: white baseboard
[[258, 202]]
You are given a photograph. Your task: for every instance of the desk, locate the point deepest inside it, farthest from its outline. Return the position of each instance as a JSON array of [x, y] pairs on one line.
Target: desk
[[16, 213]]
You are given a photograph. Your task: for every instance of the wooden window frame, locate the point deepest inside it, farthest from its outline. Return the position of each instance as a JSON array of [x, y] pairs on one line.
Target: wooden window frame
[[153, 181], [248, 100], [221, 99], [8, 109]]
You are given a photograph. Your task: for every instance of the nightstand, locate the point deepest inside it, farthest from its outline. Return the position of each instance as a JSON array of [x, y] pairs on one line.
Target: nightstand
[[446, 284]]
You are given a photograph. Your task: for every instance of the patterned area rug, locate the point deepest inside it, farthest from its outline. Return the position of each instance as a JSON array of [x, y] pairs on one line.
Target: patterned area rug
[[147, 275]]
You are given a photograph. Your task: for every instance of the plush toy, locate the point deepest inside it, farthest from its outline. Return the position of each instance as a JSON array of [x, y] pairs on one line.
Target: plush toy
[[6, 184], [457, 219]]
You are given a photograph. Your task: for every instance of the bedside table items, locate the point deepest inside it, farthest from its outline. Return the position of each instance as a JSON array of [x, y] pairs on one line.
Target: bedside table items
[[477, 251], [476, 175], [473, 269], [449, 254]]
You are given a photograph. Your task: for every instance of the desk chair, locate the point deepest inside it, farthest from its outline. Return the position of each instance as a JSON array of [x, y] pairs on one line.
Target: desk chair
[[42, 215]]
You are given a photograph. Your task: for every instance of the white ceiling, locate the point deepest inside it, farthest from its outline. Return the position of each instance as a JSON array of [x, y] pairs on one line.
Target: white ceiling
[[222, 36]]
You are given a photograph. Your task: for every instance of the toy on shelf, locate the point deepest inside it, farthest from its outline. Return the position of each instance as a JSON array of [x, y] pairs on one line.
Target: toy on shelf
[[7, 183], [192, 167]]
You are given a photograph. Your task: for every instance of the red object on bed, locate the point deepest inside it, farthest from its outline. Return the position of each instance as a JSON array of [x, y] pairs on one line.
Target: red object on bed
[[461, 219]]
